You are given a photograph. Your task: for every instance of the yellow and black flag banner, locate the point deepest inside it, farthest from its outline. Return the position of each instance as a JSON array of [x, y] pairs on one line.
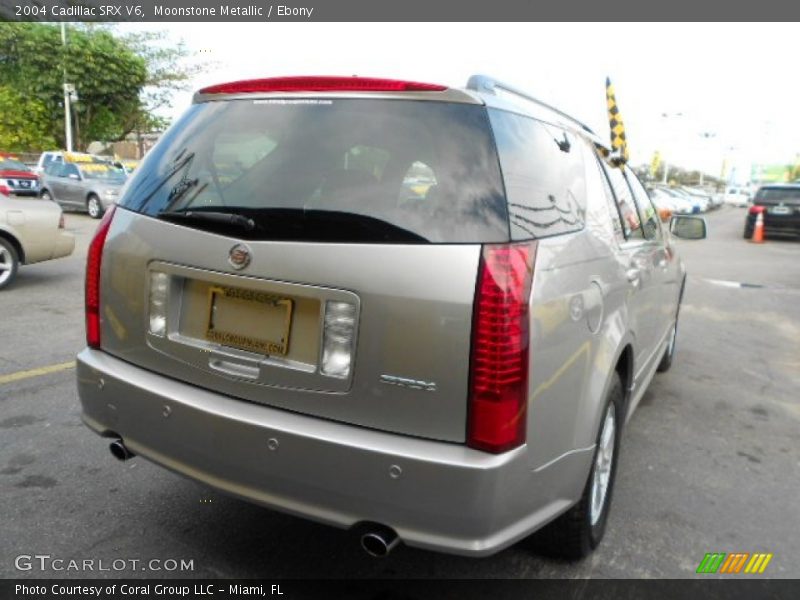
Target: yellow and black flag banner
[[618, 141]]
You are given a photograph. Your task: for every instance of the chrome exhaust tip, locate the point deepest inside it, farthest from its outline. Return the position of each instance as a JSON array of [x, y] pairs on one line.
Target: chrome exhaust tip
[[379, 542], [120, 451]]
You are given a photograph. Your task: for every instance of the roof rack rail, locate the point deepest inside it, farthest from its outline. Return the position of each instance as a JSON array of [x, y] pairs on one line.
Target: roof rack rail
[[484, 83]]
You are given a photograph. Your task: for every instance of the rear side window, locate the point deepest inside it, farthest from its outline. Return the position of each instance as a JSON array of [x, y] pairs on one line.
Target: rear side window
[[647, 211], [338, 170], [544, 175], [627, 208], [597, 183]]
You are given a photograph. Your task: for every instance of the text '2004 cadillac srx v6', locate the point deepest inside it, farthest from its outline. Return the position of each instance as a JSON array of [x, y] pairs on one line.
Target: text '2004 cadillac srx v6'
[[422, 311]]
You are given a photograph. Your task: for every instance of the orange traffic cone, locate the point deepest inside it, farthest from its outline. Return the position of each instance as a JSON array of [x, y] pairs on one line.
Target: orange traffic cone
[[758, 230]]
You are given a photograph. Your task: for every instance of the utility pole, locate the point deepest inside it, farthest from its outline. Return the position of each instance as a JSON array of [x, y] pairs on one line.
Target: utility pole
[[68, 90], [667, 116], [706, 135]]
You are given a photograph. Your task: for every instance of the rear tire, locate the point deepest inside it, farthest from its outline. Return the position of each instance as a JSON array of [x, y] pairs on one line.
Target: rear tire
[[576, 533], [94, 207], [9, 263], [748, 232]]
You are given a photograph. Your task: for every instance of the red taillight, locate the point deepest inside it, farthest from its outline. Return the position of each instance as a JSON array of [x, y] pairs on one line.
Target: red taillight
[[321, 84], [498, 394], [93, 264], [4, 190], [754, 210]]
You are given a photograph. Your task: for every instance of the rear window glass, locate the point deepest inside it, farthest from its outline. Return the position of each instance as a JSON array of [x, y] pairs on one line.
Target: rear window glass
[[342, 170], [544, 173], [778, 195], [11, 164]]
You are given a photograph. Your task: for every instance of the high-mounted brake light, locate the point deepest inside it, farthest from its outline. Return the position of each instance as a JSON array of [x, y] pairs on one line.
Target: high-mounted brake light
[[321, 84], [93, 264], [498, 395]]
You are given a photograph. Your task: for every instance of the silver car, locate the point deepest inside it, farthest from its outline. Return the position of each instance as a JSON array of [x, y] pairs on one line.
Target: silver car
[[419, 311], [89, 186]]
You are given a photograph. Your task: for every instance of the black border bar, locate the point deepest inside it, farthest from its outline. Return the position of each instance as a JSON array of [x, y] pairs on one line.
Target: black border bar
[[705, 587], [401, 10]]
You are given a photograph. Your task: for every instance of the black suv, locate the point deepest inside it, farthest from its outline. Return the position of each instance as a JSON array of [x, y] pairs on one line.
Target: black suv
[[780, 205]]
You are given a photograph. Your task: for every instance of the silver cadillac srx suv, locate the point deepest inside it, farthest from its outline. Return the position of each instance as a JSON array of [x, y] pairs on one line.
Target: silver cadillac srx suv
[[420, 311]]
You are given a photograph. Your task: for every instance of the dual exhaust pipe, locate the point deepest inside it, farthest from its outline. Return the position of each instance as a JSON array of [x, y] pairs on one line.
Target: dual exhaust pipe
[[120, 451], [379, 541]]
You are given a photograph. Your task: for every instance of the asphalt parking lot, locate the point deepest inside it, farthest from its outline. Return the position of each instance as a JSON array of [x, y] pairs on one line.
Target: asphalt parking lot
[[709, 461]]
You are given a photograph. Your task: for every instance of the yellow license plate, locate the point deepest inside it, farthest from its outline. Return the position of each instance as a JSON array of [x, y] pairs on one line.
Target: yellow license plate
[[249, 320]]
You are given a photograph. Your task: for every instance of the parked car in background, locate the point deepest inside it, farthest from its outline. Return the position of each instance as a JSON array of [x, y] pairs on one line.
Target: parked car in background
[[679, 203], [701, 202], [127, 165], [31, 231], [16, 178], [708, 200], [58, 156], [420, 311], [735, 196], [89, 186], [780, 205], [662, 200]]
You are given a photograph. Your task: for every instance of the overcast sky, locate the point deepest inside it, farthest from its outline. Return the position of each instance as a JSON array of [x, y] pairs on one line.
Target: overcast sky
[[736, 81]]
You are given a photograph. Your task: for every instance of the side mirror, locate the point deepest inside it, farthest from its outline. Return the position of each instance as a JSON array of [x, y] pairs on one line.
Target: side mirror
[[74, 176], [688, 228]]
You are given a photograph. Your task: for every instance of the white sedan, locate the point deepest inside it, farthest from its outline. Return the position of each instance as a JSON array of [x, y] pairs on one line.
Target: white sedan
[[31, 231]]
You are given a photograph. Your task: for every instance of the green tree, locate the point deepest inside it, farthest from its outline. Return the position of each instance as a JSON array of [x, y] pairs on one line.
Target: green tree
[[121, 81], [167, 71], [25, 124]]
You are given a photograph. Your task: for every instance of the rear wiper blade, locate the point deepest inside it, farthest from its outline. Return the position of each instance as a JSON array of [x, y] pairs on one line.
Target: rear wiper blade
[[208, 215]]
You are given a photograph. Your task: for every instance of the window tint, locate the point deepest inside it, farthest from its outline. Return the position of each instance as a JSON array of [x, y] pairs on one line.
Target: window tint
[[10, 164], [775, 195], [343, 170], [597, 183], [69, 169], [544, 175], [627, 209], [235, 153], [647, 212], [52, 169]]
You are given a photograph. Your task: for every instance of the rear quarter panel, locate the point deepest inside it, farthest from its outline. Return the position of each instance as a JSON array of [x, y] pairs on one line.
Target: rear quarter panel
[[578, 331], [34, 223]]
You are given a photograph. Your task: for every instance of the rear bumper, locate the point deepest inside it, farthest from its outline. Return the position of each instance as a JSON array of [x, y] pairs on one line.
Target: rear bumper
[[65, 244], [447, 497], [789, 224]]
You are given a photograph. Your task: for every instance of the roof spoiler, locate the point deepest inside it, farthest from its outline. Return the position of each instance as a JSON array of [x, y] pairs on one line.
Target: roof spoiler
[[488, 85]]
